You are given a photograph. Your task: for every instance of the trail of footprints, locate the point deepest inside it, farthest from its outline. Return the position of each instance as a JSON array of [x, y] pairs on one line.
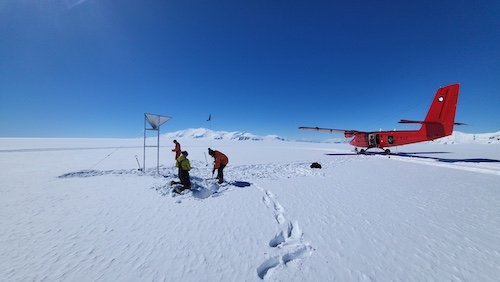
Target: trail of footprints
[[288, 244]]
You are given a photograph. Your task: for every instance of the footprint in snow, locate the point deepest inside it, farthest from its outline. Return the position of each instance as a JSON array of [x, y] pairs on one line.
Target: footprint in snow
[[300, 252], [288, 242], [289, 236], [269, 264], [270, 201]]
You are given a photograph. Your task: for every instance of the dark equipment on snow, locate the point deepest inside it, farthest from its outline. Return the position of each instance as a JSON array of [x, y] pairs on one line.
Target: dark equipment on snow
[[315, 165], [240, 183]]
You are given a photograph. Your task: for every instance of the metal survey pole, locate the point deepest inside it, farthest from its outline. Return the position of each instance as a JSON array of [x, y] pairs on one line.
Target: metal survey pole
[[155, 121], [158, 150], [144, 153]]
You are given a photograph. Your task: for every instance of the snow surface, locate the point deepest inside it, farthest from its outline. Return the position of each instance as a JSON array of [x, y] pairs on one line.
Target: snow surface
[[79, 210]]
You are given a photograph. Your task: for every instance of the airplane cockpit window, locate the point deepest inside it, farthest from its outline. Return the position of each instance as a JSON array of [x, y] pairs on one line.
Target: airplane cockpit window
[[390, 139]]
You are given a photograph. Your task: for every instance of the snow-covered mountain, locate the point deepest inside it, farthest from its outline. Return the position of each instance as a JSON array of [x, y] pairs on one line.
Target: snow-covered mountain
[[203, 133], [469, 138]]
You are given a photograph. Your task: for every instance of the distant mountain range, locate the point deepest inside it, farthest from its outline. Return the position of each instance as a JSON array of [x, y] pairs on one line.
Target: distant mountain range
[[467, 138], [203, 133]]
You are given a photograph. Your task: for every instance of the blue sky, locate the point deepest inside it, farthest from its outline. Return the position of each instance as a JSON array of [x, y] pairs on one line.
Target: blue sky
[[92, 68]]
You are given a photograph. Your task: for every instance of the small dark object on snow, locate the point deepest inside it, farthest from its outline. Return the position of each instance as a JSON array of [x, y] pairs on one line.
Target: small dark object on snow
[[315, 165], [240, 183]]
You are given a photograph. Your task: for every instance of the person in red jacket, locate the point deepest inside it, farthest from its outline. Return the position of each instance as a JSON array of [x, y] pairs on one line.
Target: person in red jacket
[[177, 149], [220, 162]]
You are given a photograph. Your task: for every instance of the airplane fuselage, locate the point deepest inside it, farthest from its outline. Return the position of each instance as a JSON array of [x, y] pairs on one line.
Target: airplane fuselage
[[384, 139]]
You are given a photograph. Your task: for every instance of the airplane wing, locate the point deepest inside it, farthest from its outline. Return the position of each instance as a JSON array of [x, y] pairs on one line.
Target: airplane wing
[[410, 121], [331, 130]]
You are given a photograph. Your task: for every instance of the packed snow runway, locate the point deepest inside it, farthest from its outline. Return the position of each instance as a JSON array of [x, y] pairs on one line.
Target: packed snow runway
[[80, 210]]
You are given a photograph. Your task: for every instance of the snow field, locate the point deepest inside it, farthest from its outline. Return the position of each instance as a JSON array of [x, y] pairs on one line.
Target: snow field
[[89, 214]]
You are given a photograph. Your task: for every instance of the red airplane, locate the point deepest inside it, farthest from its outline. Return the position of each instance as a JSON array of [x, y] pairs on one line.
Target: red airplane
[[437, 124]]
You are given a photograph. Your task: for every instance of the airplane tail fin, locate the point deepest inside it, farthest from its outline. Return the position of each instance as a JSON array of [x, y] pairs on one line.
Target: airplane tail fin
[[441, 116]]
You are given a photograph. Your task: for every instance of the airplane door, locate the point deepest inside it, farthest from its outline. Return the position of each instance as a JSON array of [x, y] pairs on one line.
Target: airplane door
[[373, 140]]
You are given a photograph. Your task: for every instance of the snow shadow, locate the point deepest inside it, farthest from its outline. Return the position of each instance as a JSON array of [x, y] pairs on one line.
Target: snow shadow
[[415, 155], [374, 153], [418, 155], [209, 188], [341, 154], [201, 188], [201, 193]]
